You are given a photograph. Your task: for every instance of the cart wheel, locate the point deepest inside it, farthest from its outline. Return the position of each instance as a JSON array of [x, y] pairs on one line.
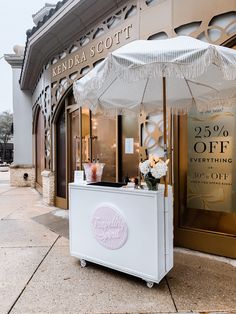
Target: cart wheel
[[150, 284], [83, 263]]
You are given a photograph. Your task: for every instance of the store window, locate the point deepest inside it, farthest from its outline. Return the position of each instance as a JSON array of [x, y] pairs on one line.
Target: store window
[[210, 179]]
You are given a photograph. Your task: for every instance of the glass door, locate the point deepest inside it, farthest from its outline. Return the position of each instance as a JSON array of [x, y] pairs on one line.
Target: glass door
[[74, 143], [114, 142], [78, 139], [129, 148], [84, 137], [90, 141], [61, 159], [104, 145]]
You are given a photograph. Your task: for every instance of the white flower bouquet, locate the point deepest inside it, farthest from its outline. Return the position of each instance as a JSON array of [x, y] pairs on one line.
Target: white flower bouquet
[[153, 169]]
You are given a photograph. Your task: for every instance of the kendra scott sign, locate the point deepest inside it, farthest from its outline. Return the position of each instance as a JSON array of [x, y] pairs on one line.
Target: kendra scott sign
[[95, 51], [211, 160]]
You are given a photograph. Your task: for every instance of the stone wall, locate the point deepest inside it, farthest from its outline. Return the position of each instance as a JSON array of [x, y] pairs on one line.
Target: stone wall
[[22, 175], [48, 189]]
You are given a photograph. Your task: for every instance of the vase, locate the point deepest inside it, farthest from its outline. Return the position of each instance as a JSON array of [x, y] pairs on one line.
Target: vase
[[152, 183], [93, 171]]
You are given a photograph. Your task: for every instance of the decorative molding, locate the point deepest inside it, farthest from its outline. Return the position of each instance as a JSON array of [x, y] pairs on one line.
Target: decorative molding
[[84, 54], [14, 60]]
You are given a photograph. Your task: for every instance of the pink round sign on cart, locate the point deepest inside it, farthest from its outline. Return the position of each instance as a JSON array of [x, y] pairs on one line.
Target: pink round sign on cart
[[109, 227]]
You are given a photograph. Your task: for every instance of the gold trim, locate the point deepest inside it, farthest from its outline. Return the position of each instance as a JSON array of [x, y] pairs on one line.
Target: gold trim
[[38, 188], [61, 202], [38, 111], [207, 242]]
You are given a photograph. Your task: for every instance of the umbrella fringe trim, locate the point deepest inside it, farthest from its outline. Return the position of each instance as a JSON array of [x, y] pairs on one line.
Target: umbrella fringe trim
[[176, 108], [132, 72]]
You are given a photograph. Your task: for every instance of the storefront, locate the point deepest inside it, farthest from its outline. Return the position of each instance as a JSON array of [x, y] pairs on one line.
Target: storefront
[[64, 136]]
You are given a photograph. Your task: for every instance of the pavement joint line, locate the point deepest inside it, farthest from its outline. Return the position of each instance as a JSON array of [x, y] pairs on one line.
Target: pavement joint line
[[13, 212], [24, 247], [18, 195], [171, 295], [13, 219], [11, 189], [6, 217], [4, 192], [31, 277]]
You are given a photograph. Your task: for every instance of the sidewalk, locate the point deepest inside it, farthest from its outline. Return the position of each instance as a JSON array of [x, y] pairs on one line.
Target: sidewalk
[[38, 275]]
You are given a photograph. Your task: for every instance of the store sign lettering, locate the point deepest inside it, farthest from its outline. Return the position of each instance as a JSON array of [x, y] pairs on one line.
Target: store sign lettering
[[209, 146], [93, 51]]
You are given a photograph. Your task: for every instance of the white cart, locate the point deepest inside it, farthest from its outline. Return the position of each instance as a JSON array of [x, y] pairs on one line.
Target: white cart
[[124, 229]]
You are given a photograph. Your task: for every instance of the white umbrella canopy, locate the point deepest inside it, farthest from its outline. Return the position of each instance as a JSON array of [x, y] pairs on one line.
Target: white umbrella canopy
[[130, 79], [182, 73]]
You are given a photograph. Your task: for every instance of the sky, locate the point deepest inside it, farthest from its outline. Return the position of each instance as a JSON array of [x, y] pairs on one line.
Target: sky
[[15, 20]]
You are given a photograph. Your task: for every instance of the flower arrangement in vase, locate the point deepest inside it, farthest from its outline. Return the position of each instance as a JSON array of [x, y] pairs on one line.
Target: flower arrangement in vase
[[153, 169], [93, 171]]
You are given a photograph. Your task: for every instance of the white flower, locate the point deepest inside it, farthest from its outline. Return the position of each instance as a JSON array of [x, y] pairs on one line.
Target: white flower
[[155, 166], [144, 166], [159, 170]]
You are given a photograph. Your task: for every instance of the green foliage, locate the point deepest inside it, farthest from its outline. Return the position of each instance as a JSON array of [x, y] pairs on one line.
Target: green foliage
[[6, 120]]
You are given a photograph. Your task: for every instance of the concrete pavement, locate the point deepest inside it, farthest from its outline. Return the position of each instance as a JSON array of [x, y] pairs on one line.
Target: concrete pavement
[[38, 275]]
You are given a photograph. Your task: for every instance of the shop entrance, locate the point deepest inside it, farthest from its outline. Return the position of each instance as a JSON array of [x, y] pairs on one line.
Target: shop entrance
[[91, 138], [82, 137], [61, 171]]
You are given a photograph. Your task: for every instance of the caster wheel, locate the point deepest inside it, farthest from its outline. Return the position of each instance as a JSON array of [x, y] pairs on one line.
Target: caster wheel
[[83, 263], [150, 284]]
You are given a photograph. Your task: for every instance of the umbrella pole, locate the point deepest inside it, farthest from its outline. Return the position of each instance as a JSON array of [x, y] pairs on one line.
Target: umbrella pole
[[165, 130]]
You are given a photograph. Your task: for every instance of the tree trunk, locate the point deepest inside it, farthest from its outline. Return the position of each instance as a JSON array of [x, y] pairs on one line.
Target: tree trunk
[[4, 151]]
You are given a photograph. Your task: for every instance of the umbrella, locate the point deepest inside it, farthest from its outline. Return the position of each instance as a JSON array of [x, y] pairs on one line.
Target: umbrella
[[145, 75]]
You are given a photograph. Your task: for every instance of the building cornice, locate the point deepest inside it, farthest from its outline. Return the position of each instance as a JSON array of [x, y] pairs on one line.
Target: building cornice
[[43, 13], [71, 20], [14, 60]]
